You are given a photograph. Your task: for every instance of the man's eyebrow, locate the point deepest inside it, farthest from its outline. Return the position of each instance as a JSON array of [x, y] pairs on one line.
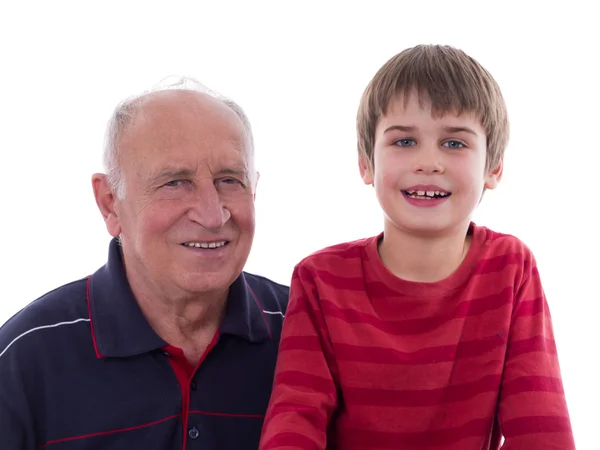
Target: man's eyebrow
[[175, 173], [236, 171], [171, 173]]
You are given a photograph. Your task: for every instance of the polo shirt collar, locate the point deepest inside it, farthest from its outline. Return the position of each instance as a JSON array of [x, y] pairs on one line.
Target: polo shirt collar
[[120, 329]]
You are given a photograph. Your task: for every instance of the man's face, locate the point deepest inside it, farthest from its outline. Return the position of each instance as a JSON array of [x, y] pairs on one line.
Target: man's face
[[429, 172], [187, 217]]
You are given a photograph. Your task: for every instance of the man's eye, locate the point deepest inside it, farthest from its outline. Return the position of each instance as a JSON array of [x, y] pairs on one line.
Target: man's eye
[[453, 144], [405, 142], [174, 183], [230, 183]]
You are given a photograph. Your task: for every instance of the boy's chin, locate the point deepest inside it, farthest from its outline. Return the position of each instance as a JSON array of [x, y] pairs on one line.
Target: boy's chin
[[425, 226]]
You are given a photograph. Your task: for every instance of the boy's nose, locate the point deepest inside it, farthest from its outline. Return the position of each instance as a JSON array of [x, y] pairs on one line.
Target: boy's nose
[[428, 161]]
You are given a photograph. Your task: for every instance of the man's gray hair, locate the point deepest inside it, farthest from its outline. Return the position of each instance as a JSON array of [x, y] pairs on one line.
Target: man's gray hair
[[126, 111]]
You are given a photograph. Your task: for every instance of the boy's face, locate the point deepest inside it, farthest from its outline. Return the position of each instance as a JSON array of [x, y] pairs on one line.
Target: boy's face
[[429, 173]]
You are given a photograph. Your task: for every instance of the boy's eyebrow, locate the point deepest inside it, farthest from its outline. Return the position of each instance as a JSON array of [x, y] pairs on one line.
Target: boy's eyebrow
[[460, 129], [446, 128], [399, 127]]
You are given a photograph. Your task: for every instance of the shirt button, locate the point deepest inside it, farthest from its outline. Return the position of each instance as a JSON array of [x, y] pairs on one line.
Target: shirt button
[[193, 433], [193, 385]]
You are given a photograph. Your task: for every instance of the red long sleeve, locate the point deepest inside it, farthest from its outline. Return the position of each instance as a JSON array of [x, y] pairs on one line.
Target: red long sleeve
[[305, 393], [532, 409]]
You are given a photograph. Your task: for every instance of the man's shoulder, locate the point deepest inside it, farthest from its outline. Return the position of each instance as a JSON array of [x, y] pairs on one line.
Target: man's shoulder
[[64, 305], [272, 294]]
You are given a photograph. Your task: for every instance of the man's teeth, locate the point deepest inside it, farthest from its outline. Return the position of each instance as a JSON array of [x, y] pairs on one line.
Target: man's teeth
[[427, 194], [205, 244]]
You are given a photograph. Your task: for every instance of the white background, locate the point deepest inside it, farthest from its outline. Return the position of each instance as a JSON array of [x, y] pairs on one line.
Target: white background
[[298, 69]]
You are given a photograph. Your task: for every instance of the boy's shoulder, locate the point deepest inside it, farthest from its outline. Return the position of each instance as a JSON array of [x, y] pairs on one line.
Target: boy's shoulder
[[498, 244], [505, 255], [341, 254]]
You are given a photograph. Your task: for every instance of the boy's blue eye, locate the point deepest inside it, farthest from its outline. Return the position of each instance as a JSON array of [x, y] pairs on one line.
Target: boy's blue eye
[[405, 142], [453, 144]]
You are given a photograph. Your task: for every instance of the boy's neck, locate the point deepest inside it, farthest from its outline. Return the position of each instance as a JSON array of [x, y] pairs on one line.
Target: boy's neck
[[423, 258]]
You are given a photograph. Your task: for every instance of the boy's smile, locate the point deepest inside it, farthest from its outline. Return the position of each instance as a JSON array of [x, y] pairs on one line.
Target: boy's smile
[[426, 195]]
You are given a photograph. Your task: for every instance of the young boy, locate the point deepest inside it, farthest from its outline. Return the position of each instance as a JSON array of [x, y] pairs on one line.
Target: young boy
[[436, 333]]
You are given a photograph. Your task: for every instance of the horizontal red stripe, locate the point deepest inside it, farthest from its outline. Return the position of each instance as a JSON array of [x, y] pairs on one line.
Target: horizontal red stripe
[[297, 440], [532, 384], [534, 344], [531, 307], [432, 355], [308, 343], [499, 263], [421, 397], [340, 281], [464, 309], [244, 416], [385, 355], [103, 433], [314, 416], [311, 383], [358, 439], [536, 424]]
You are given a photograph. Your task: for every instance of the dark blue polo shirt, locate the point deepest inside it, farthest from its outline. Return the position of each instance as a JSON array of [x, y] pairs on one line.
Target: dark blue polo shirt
[[81, 368]]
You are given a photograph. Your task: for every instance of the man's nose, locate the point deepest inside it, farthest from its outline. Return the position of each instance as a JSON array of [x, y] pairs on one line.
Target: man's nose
[[208, 209]]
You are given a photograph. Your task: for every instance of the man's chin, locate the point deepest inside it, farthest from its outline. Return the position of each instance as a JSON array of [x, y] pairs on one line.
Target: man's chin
[[203, 282]]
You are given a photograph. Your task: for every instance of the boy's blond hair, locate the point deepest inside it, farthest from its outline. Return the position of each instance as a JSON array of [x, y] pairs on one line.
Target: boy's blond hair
[[447, 77]]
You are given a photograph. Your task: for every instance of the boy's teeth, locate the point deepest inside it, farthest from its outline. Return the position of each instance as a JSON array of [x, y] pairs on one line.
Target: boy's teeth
[[427, 194]]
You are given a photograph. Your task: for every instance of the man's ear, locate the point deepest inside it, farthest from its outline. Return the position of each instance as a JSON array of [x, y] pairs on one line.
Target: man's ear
[[494, 176], [366, 169], [105, 199], [255, 185]]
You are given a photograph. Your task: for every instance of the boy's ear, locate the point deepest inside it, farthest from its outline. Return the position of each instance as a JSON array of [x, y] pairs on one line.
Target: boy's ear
[[494, 176], [366, 169]]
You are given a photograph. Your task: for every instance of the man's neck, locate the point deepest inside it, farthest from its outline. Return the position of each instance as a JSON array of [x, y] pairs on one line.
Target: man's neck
[[423, 258], [189, 323]]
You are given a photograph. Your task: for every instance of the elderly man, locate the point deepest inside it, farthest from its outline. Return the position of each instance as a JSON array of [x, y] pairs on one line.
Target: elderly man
[[169, 345]]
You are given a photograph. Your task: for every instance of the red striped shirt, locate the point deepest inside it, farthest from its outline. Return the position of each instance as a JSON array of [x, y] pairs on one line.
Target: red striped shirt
[[370, 361]]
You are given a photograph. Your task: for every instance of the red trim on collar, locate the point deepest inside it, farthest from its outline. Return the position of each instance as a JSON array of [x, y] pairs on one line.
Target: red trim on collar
[[89, 302], [262, 311]]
